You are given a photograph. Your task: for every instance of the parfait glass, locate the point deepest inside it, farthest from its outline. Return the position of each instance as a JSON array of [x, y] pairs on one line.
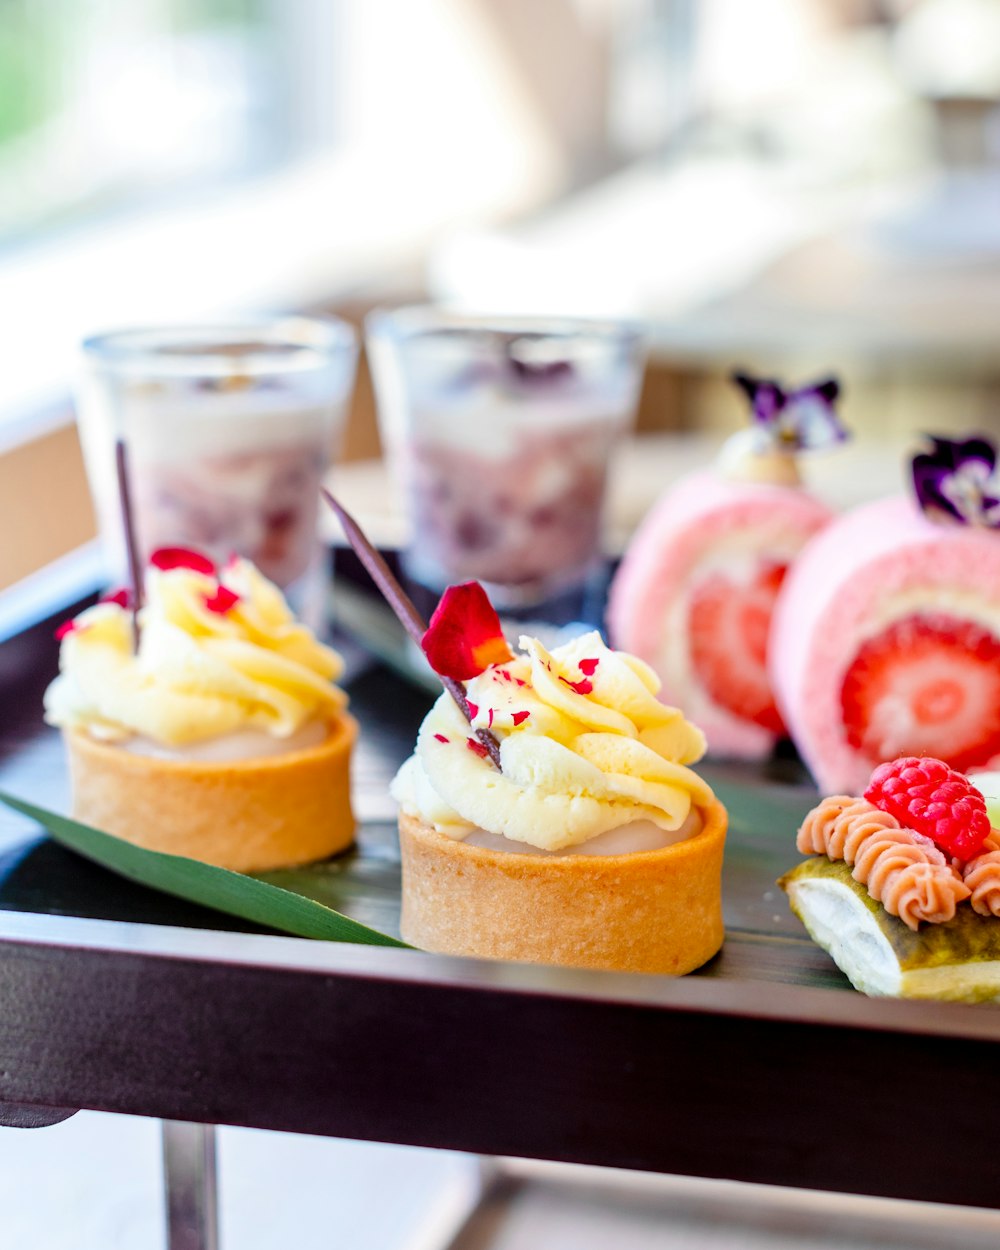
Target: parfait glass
[[499, 433], [229, 428]]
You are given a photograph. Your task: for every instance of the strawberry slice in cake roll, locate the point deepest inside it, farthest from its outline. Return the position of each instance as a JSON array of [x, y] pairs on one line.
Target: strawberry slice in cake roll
[[695, 592], [886, 637]]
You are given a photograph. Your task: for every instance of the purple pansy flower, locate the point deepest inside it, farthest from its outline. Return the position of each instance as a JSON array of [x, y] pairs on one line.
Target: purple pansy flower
[[956, 481], [795, 420]]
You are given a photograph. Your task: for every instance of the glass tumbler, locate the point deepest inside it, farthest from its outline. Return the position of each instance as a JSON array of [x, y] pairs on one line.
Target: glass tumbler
[[228, 428], [499, 433]]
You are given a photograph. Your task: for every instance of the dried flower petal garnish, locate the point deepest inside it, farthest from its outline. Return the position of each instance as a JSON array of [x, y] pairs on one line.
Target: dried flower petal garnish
[[799, 420], [473, 708], [222, 601], [464, 636], [166, 558], [66, 628], [122, 597], [476, 748], [440, 738], [588, 667], [520, 717], [956, 481], [584, 686]]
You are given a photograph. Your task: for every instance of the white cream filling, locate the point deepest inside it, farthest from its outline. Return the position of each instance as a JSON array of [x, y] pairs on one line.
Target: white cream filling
[[637, 835], [838, 921], [247, 744], [921, 600]]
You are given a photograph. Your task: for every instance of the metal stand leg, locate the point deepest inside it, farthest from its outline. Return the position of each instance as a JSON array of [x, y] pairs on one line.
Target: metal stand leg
[[190, 1182], [461, 1209]]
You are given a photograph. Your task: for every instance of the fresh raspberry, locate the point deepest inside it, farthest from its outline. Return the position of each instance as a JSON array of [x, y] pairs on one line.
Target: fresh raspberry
[[926, 795]]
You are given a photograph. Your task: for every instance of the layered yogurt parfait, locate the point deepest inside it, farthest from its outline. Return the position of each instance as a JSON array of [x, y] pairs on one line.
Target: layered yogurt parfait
[[229, 429], [500, 433]]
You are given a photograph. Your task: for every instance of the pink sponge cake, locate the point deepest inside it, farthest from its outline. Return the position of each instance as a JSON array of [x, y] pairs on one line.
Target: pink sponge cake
[[886, 637], [695, 592]]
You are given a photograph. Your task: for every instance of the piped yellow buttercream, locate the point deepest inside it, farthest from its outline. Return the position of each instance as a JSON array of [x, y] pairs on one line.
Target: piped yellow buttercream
[[199, 673], [585, 746]]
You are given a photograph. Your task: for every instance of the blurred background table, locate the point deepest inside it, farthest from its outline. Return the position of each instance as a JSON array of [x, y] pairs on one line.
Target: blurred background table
[[644, 467]]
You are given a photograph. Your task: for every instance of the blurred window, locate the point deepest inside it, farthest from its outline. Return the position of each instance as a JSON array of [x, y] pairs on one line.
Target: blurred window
[[113, 105]]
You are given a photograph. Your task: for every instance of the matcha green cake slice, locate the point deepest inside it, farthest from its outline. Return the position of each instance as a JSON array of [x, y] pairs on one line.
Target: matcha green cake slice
[[880, 955]]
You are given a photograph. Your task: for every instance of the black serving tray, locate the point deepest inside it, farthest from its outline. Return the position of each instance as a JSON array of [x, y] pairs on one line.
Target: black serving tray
[[765, 1066]]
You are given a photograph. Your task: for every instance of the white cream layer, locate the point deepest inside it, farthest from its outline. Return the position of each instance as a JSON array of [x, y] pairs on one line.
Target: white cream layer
[[637, 835], [247, 744]]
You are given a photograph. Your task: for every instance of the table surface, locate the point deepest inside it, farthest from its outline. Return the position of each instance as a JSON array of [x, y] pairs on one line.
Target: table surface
[[641, 469], [765, 1066]]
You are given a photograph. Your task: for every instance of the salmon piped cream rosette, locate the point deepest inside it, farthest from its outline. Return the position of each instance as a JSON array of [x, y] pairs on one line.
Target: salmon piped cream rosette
[[592, 843], [903, 887], [221, 736]]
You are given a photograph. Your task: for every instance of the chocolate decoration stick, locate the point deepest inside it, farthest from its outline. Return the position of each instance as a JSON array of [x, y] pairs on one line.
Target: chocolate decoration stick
[[131, 543], [394, 595], [400, 602]]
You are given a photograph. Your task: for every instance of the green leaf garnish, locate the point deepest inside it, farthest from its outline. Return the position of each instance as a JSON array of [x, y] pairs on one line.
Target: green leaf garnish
[[218, 888]]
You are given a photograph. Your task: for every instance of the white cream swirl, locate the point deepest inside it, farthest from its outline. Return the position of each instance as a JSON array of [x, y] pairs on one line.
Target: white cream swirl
[[585, 746], [201, 672]]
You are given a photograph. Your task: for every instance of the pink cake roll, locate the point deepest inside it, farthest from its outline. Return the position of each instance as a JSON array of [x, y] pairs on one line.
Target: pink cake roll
[[694, 596], [886, 642]]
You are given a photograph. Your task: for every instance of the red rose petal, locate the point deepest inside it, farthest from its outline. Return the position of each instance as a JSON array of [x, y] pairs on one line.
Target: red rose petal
[[166, 558], [440, 738], [477, 748], [121, 596], [473, 708], [519, 717], [222, 601], [587, 666], [581, 687], [67, 627], [464, 636], [490, 722]]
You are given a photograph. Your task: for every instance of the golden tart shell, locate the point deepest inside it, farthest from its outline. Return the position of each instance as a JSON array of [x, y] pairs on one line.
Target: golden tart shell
[[650, 911], [249, 815]]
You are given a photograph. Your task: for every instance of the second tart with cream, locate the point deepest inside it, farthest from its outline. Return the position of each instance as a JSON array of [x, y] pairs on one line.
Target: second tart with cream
[[593, 845]]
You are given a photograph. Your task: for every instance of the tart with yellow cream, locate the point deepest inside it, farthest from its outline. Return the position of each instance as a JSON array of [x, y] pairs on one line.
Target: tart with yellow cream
[[221, 737], [560, 823]]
